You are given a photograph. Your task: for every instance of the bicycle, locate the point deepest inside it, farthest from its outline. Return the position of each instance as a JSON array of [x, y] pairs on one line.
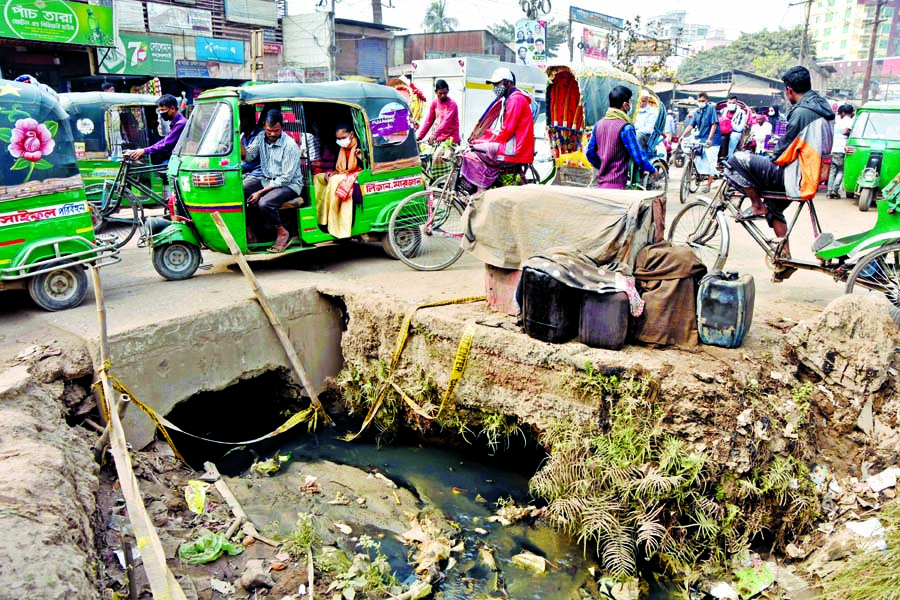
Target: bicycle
[[869, 260], [131, 186], [426, 228], [690, 178]]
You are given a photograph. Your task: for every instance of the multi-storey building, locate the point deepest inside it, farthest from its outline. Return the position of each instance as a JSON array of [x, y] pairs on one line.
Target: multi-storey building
[[842, 30]]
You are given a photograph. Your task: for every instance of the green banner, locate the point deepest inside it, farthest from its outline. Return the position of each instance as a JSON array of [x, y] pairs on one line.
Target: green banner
[[58, 21], [137, 54]]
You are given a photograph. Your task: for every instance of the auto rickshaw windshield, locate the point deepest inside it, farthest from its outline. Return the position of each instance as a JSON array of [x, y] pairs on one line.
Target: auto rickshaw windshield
[[877, 126], [209, 131]]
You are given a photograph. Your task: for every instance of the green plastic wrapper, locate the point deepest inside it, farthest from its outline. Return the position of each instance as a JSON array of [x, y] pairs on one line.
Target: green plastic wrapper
[[208, 548]]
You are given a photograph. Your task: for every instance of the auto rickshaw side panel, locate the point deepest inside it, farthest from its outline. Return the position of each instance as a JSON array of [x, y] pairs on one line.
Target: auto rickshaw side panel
[[876, 128]]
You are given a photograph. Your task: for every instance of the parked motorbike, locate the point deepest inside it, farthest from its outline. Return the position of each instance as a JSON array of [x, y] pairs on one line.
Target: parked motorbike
[[678, 156], [868, 185]]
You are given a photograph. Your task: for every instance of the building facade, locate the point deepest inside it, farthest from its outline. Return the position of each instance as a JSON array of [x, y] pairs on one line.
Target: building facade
[[842, 31]]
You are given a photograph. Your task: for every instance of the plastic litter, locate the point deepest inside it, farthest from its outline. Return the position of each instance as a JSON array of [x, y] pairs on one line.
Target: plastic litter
[[208, 548], [195, 496], [884, 480], [753, 580], [273, 465], [723, 591]]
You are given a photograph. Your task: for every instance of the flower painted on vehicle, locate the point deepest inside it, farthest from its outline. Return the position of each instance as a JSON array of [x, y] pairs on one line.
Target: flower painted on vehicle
[[30, 140]]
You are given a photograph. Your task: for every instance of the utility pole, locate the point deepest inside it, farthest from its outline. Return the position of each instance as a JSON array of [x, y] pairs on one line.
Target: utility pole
[[332, 49], [875, 23], [376, 11], [804, 39]]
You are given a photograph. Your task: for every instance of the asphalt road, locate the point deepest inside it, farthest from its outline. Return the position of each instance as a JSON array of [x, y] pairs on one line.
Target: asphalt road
[[135, 295]]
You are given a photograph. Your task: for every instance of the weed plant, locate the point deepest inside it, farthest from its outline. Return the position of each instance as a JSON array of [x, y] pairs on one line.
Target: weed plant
[[874, 573], [631, 491]]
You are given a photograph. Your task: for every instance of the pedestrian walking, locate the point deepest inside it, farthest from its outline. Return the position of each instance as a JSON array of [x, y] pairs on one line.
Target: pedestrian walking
[[841, 134]]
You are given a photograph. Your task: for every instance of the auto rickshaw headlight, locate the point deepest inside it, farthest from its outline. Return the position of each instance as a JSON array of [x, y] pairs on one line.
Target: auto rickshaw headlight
[[869, 175], [208, 179]]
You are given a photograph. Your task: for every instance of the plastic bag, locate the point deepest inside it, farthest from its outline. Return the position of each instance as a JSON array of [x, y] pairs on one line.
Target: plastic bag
[[195, 496], [208, 548]]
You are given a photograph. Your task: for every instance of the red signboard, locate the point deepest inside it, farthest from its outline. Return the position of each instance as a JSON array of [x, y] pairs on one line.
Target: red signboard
[[271, 48]]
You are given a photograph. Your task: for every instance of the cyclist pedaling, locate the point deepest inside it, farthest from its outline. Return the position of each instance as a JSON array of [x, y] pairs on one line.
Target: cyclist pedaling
[[513, 145], [794, 168]]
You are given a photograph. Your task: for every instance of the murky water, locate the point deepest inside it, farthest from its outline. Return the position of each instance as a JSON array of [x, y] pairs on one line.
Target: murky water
[[465, 489]]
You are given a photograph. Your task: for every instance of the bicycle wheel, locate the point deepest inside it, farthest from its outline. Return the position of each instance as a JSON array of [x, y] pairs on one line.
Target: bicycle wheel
[[117, 229], [684, 189], [877, 272], [705, 230], [425, 231], [661, 182]]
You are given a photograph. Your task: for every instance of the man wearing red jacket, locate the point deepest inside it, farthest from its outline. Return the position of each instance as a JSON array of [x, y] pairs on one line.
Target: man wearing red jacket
[[513, 144]]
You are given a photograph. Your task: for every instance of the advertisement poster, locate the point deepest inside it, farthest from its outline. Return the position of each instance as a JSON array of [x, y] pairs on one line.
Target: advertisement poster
[[595, 44], [58, 21], [227, 51], [165, 18], [141, 55], [531, 43], [130, 15], [254, 12]]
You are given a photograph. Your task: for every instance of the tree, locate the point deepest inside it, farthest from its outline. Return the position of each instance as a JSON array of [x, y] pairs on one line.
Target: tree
[[557, 34], [640, 54], [767, 53], [436, 19]]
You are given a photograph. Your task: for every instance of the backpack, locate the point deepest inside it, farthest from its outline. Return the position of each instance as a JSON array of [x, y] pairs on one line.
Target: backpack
[[725, 123]]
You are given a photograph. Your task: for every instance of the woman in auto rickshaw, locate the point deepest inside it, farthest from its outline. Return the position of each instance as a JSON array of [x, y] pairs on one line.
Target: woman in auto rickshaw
[[207, 177], [334, 189]]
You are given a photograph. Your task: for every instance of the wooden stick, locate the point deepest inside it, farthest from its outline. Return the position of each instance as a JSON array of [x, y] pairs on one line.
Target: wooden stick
[[103, 442], [129, 568], [212, 473], [162, 583], [309, 574], [235, 525], [273, 318]]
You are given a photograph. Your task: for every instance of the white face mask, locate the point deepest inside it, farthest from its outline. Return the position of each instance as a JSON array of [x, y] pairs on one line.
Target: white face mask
[[731, 106], [344, 142], [701, 105]]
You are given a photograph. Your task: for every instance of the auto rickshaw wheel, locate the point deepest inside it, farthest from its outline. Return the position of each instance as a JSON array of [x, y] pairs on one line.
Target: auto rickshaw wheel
[[63, 287], [176, 260], [866, 198]]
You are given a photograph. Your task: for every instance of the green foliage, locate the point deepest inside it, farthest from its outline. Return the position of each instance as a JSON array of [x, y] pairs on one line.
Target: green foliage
[[870, 574], [436, 19], [625, 52], [303, 537], [768, 53], [632, 490], [368, 576], [557, 34]]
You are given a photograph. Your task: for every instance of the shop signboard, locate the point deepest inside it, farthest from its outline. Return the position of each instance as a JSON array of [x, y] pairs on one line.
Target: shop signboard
[[191, 68], [130, 15], [254, 12], [595, 19], [152, 55], [58, 21], [229, 51], [166, 18], [272, 48]]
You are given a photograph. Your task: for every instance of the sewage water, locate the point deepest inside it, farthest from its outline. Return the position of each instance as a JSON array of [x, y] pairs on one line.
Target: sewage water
[[465, 489]]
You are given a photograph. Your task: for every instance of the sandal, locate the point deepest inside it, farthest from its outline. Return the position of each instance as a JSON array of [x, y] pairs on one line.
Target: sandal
[[748, 215], [279, 248]]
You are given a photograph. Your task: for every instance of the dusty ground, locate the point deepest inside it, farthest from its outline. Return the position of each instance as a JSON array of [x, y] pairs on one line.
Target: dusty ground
[[135, 295]]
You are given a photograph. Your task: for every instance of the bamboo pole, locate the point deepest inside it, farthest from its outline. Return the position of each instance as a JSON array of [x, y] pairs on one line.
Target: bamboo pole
[[273, 318], [162, 582]]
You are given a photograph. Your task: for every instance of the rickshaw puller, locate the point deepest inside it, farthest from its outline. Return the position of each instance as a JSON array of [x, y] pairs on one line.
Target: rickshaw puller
[[513, 144], [279, 158]]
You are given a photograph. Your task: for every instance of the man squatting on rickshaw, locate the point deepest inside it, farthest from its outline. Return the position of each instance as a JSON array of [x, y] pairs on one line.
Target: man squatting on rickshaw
[[279, 159], [161, 151], [613, 141], [807, 139], [444, 115], [512, 145]]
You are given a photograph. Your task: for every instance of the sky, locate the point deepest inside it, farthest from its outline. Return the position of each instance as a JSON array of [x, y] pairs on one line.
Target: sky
[[478, 14]]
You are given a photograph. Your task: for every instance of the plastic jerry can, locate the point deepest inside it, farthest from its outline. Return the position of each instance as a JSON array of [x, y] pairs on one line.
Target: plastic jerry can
[[725, 308], [604, 320], [549, 308]]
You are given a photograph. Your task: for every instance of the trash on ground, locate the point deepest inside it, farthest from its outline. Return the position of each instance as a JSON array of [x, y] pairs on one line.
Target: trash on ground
[[533, 562], [208, 548], [273, 465], [195, 496], [723, 591], [753, 580]]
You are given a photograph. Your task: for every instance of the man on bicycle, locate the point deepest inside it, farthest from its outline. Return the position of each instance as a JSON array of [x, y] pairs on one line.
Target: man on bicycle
[[161, 151], [706, 122], [444, 115], [613, 144], [513, 144], [796, 161]]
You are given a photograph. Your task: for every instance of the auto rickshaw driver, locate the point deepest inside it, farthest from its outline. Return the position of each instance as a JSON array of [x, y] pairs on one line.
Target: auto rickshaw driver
[[282, 180]]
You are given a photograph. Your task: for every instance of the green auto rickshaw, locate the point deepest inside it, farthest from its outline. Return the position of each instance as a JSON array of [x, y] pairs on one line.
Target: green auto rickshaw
[[872, 155], [46, 234], [105, 126], [206, 169]]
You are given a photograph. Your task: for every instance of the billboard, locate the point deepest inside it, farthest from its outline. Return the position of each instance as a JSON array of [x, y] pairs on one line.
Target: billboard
[[254, 12], [166, 18], [130, 15], [594, 44], [135, 54], [531, 43], [594, 19], [219, 50], [59, 22]]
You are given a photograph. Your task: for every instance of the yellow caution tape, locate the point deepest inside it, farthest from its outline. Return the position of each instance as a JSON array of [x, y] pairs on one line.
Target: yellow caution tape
[[459, 364]]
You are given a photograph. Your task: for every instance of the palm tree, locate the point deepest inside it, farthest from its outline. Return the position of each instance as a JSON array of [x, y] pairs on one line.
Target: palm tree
[[436, 19]]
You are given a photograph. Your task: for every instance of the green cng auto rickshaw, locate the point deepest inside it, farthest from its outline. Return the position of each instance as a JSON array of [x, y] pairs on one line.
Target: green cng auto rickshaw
[[46, 234], [105, 126], [206, 171], [872, 155]]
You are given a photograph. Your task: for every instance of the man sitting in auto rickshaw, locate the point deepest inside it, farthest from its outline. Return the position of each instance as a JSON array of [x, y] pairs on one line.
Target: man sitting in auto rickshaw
[[279, 158], [161, 151], [613, 144], [334, 189], [512, 145]]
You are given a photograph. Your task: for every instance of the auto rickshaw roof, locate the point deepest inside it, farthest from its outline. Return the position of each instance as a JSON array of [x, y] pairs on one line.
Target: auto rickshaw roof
[[14, 92], [879, 105], [346, 91], [72, 101]]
